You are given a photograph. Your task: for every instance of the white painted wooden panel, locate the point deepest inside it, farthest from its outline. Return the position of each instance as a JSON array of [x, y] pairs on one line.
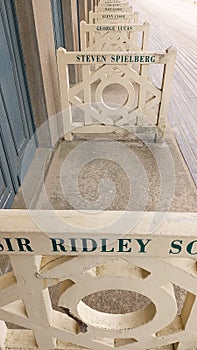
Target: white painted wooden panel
[[145, 101], [146, 265]]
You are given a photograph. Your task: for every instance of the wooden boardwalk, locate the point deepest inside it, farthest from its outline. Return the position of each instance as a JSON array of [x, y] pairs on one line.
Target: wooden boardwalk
[[173, 23]]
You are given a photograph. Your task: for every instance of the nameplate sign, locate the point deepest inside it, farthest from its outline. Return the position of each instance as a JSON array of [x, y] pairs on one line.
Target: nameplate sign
[[87, 233], [129, 245], [114, 58], [114, 16], [113, 9], [114, 4], [123, 15], [112, 27]]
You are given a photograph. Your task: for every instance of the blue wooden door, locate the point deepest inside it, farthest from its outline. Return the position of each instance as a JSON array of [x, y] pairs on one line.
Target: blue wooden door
[[58, 23], [16, 122]]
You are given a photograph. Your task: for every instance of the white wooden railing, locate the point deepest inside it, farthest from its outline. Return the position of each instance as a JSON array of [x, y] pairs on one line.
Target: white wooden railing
[[80, 253], [146, 105]]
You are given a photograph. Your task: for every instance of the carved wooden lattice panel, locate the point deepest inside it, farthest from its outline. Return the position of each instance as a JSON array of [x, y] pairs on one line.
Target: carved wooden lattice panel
[[143, 98], [155, 324], [138, 271]]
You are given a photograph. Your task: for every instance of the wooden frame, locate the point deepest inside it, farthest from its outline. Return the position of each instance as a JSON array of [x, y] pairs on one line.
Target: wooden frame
[[142, 95], [113, 37], [83, 253]]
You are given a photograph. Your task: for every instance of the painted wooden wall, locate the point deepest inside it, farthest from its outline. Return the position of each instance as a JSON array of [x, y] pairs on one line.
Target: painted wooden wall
[[16, 121]]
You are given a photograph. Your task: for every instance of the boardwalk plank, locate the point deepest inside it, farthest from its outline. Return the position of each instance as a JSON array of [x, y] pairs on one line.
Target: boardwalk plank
[[173, 23]]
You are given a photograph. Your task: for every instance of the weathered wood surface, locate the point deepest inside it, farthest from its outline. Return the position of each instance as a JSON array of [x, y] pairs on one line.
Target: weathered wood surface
[[178, 26]]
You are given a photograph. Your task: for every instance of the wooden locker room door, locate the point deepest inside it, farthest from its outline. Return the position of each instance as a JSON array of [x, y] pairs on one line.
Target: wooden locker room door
[[16, 121]]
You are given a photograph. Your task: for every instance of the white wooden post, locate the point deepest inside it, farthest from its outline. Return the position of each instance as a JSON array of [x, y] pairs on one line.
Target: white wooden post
[[166, 88], [75, 25], [75, 15], [87, 95], [144, 75], [25, 269], [145, 37], [64, 90], [86, 10], [83, 36], [90, 19], [144, 69]]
